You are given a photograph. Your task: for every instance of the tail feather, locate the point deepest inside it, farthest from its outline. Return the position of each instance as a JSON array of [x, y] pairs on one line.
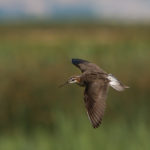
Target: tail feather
[[115, 83]]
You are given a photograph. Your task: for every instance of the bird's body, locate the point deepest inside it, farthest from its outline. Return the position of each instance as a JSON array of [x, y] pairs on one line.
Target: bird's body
[[96, 82]]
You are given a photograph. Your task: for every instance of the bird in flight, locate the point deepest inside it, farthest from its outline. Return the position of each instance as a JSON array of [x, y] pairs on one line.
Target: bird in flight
[[96, 82]]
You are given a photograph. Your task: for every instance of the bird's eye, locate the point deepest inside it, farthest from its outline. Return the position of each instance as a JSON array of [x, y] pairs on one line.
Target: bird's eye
[[71, 79]]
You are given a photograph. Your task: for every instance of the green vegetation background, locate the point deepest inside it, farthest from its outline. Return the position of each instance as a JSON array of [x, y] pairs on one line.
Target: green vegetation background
[[36, 115]]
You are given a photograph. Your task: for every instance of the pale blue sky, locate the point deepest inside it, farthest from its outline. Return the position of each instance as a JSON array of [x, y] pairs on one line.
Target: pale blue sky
[[108, 9]]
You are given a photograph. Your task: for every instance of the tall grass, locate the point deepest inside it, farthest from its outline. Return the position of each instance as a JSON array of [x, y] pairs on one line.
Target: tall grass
[[80, 135]]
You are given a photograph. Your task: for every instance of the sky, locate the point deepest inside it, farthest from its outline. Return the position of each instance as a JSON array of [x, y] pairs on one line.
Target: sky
[[132, 10]]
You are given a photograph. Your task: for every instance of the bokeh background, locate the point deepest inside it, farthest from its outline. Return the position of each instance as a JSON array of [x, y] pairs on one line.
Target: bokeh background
[[38, 40]]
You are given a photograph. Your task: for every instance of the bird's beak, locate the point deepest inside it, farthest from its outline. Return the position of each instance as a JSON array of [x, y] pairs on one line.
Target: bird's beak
[[64, 84]]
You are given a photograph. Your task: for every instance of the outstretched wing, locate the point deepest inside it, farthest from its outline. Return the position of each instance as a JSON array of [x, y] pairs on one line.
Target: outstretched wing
[[84, 65], [95, 100]]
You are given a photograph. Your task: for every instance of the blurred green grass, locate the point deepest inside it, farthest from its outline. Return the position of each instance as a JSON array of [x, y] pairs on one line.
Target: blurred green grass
[[68, 136], [36, 114]]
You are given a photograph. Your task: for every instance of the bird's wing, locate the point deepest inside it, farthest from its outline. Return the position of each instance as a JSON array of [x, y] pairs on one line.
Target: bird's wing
[[84, 65], [94, 97]]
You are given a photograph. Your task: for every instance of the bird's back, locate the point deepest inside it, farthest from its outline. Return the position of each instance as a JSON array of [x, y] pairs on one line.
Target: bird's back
[[84, 65]]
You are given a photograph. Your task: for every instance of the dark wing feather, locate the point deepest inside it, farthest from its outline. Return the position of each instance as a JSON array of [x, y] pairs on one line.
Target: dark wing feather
[[94, 98], [84, 65]]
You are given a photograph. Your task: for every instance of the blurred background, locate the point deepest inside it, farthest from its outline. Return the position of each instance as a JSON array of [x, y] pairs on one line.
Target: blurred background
[[38, 40]]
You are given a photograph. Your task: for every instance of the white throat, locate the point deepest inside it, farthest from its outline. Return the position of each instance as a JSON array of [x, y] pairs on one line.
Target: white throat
[[74, 81]]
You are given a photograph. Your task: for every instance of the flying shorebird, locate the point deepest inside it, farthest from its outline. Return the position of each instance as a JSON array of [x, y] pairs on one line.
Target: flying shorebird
[[96, 82]]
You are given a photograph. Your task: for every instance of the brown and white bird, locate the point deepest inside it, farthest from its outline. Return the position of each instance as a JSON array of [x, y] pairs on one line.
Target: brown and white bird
[[96, 82]]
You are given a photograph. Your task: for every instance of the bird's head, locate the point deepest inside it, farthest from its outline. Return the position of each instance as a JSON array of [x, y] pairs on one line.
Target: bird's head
[[74, 79]]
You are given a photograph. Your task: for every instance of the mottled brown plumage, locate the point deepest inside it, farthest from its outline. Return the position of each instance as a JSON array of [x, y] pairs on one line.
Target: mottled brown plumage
[[96, 86], [96, 82], [94, 98]]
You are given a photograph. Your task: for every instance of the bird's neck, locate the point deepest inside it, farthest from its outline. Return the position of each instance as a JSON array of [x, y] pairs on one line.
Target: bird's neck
[[80, 84]]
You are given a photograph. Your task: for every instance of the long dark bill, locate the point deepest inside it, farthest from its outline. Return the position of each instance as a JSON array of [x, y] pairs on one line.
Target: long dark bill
[[62, 85]]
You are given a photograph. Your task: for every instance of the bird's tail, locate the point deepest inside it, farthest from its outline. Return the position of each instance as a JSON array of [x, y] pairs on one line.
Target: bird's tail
[[115, 83]]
